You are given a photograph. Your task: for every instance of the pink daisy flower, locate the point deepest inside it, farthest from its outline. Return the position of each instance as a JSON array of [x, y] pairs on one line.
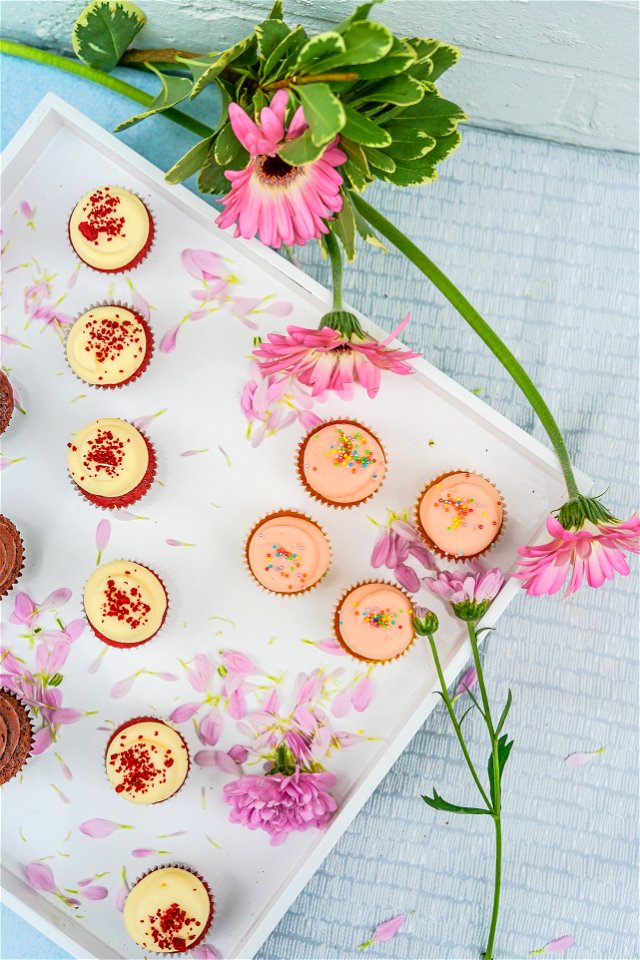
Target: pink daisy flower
[[327, 359], [279, 202], [596, 551]]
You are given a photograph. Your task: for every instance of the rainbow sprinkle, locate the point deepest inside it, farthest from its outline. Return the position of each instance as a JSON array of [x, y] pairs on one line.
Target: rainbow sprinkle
[[376, 617], [282, 554], [347, 451]]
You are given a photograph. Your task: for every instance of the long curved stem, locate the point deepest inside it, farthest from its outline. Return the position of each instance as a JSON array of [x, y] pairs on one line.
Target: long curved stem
[[480, 326], [105, 79], [335, 258]]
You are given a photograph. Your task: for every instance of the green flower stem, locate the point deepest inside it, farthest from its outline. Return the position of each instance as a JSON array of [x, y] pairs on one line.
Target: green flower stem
[[454, 721], [105, 79], [335, 258], [480, 326], [496, 809]]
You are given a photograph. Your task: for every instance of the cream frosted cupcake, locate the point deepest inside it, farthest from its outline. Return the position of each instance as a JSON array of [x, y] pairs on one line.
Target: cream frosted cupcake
[[111, 462], [373, 622], [169, 910], [287, 552], [110, 345], [125, 603], [111, 229], [341, 463], [460, 514], [147, 761]]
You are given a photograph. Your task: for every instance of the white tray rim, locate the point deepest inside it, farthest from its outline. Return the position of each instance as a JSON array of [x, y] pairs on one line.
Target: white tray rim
[[50, 114]]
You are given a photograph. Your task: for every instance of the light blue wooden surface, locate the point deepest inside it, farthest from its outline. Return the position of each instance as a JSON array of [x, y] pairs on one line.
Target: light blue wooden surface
[[543, 240]]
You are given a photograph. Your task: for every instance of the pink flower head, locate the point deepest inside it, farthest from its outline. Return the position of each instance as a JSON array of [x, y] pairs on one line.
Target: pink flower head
[[327, 359], [280, 804], [470, 594], [279, 202], [596, 551]]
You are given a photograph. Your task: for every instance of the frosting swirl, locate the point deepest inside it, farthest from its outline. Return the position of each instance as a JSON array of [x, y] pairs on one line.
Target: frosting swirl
[[109, 227], [15, 735], [168, 911], [11, 555]]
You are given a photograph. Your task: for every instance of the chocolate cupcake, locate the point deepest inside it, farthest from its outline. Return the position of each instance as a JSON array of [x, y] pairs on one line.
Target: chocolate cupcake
[[287, 552], [6, 402], [341, 463], [168, 910], [460, 514], [16, 735], [111, 463], [373, 622], [110, 229], [147, 761], [11, 555], [109, 346], [125, 603]]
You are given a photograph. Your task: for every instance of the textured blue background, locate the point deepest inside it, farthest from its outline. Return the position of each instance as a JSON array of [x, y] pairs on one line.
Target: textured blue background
[[542, 238]]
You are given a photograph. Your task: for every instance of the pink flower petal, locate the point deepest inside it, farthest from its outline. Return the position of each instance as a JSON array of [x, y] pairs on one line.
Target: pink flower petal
[[184, 712], [557, 946], [98, 828], [204, 951], [580, 759], [122, 687], [42, 740], [39, 877], [168, 342], [341, 704], [389, 928], [205, 758], [95, 893], [210, 729], [467, 681], [103, 532], [362, 694]]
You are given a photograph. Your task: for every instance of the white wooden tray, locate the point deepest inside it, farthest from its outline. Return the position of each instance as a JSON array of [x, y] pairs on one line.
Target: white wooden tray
[[207, 499]]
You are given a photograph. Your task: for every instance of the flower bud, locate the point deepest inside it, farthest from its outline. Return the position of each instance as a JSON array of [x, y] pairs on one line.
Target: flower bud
[[471, 610], [425, 621]]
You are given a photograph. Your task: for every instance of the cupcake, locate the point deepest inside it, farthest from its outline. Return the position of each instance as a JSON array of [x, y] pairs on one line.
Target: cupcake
[[6, 402], [109, 346], [125, 603], [11, 555], [111, 463], [374, 622], [169, 910], [341, 463], [110, 229], [16, 735], [147, 761], [287, 552], [460, 514]]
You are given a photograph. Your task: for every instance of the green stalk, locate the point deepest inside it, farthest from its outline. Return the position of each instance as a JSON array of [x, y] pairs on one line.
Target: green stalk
[[335, 258], [480, 326], [105, 79], [454, 721], [496, 809]]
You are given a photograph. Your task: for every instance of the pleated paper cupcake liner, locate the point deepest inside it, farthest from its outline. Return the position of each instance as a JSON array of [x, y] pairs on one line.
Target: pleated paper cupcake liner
[[300, 464], [336, 621], [146, 360], [13, 579], [273, 516]]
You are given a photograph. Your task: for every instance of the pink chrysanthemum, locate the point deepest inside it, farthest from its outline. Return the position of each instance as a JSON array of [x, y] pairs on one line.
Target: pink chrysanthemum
[[596, 552], [280, 804], [279, 202], [326, 359], [458, 587]]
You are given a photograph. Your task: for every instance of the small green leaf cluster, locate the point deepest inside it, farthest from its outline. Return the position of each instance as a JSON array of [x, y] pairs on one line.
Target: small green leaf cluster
[[358, 81]]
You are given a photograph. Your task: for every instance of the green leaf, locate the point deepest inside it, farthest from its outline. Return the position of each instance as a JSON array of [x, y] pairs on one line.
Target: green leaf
[[356, 168], [323, 111], [414, 146], [433, 115], [366, 232], [438, 803], [225, 58], [287, 48], [434, 58], [104, 30], [379, 160], [344, 227], [412, 174], [198, 65], [212, 178], [504, 749], [228, 151], [444, 146], [174, 90], [277, 11], [270, 33], [360, 13], [301, 150], [362, 130], [397, 60], [190, 163], [365, 41], [503, 715], [322, 45], [399, 90]]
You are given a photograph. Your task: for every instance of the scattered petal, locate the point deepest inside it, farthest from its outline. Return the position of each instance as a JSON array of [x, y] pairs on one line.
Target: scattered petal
[[40, 877], [99, 828], [580, 759], [385, 931], [557, 946]]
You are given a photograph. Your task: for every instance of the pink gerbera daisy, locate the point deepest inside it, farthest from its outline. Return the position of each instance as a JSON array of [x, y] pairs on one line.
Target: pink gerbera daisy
[[328, 359], [270, 197], [596, 553]]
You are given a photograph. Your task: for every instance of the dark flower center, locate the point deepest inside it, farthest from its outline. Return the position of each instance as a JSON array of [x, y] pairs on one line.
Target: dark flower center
[[275, 171]]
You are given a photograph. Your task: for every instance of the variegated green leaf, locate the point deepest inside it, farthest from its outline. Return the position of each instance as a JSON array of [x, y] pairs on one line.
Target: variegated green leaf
[[301, 150], [396, 61], [270, 34], [104, 30], [225, 58], [366, 232], [400, 90], [288, 48], [344, 227], [323, 111], [212, 178], [379, 160], [174, 90], [365, 42], [228, 151], [356, 169], [362, 130], [317, 48], [190, 163], [413, 145], [360, 13]]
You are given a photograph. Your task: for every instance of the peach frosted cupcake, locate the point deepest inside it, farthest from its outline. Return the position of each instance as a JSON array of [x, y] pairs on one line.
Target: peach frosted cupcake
[[373, 622], [110, 229], [288, 553], [460, 514], [168, 910], [341, 463]]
